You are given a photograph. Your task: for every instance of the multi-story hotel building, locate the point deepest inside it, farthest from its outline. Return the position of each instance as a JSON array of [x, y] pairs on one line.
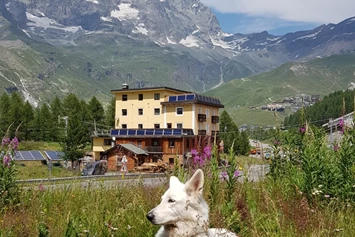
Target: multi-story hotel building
[[157, 123]]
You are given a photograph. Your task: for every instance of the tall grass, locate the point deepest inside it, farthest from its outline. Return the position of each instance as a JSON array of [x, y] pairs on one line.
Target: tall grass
[[282, 205]]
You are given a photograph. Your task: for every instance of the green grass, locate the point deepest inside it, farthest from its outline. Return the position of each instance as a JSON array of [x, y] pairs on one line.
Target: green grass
[[320, 76], [263, 209], [37, 170]]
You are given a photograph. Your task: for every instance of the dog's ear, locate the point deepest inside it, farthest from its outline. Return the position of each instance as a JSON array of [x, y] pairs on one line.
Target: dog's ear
[[195, 184], [173, 181]]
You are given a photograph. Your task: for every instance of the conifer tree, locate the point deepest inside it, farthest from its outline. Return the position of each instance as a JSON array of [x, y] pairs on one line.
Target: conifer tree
[[16, 112], [96, 111], [28, 116], [110, 113], [229, 133], [57, 130], [4, 113], [77, 135]]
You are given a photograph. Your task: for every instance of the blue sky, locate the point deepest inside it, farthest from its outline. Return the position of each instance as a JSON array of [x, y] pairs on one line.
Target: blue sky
[[278, 16]]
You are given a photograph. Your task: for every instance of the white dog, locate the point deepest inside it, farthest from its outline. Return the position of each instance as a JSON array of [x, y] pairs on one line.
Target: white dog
[[183, 212]]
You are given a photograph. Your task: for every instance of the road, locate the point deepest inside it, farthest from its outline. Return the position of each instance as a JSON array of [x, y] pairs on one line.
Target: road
[[255, 173]]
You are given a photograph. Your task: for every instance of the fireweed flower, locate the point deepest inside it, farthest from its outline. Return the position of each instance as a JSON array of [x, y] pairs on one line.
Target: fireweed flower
[[41, 188], [6, 161], [302, 130], [224, 175], [335, 147], [236, 174], [341, 124], [14, 143], [5, 141]]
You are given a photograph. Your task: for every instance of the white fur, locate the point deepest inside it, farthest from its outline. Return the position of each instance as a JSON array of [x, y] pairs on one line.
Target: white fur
[[183, 212]]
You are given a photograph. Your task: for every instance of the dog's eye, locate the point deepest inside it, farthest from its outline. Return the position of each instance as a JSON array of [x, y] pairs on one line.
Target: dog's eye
[[171, 200]]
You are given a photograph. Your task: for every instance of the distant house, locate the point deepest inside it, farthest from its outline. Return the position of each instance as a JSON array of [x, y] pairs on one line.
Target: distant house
[[334, 126], [156, 124]]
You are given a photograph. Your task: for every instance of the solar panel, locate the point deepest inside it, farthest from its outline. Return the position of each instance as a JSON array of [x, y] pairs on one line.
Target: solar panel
[[140, 132], [149, 132], [168, 132], [114, 132], [131, 132], [190, 97], [158, 132], [123, 132], [181, 98], [172, 98], [54, 155], [28, 155], [177, 132]]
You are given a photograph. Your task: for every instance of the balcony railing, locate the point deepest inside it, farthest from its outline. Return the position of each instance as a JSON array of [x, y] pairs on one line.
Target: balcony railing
[[215, 133], [202, 132], [215, 119], [154, 149], [202, 117]]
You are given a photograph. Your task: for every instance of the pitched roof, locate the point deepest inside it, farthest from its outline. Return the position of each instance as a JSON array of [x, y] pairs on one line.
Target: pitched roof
[[133, 148]]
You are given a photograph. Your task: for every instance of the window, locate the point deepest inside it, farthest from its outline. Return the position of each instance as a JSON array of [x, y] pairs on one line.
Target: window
[[140, 144], [179, 111], [171, 161], [140, 126], [107, 142], [168, 125], [124, 112], [156, 111], [207, 112], [157, 125], [124, 125], [124, 97], [179, 125], [140, 111], [171, 143], [140, 96], [187, 143], [156, 96], [155, 142]]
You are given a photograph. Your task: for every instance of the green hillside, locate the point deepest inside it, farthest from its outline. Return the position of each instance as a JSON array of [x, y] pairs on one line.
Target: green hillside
[[321, 77]]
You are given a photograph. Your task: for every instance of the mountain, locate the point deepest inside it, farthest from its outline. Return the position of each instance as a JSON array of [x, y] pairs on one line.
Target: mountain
[[91, 46], [322, 76]]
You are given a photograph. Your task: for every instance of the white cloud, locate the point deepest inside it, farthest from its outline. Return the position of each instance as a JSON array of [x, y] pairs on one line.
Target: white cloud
[[310, 11]]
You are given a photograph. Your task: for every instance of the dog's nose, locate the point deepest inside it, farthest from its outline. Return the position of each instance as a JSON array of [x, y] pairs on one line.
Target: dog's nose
[[150, 216]]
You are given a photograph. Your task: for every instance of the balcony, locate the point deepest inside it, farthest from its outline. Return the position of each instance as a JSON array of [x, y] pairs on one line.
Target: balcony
[[215, 133], [154, 149], [202, 117], [202, 132], [215, 119]]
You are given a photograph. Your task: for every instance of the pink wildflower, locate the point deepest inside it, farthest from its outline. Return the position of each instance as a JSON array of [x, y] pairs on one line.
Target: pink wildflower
[[302, 130], [41, 187], [14, 143], [6, 160], [335, 147], [224, 175], [5, 141], [236, 174]]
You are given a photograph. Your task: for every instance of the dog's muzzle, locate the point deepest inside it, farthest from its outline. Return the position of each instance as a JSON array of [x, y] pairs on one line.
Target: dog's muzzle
[[150, 216]]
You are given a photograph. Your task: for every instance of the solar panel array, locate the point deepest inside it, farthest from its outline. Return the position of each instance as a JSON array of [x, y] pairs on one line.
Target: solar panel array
[[194, 97], [29, 156], [54, 155], [151, 132]]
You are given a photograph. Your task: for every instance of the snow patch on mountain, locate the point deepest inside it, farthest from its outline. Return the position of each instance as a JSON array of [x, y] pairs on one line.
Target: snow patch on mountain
[[190, 41], [140, 29], [220, 43], [125, 12], [93, 1], [45, 22], [309, 36]]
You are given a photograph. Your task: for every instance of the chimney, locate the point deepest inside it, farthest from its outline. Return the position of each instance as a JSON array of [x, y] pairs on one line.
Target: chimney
[[125, 86]]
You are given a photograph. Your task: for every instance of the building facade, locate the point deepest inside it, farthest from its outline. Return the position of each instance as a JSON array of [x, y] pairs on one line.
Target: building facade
[[162, 123]]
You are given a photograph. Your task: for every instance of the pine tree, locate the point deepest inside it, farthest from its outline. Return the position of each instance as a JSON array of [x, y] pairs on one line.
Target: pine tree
[[4, 113], [245, 145], [96, 110], [16, 112], [77, 135], [57, 130], [229, 133], [28, 116], [47, 123], [36, 126], [110, 113]]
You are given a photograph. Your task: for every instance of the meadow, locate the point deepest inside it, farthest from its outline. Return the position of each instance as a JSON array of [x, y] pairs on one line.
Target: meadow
[[308, 192]]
